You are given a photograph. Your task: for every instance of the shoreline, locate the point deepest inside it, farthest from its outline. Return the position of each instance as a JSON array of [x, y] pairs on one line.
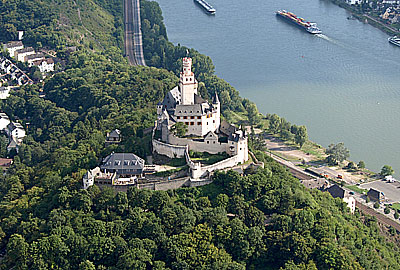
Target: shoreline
[[362, 17]]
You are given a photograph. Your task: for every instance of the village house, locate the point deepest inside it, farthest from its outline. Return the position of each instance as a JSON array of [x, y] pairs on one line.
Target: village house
[[338, 192], [16, 131], [22, 53], [5, 163], [4, 121], [45, 65], [113, 137], [376, 195], [33, 57], [4, 92], [13, 46]]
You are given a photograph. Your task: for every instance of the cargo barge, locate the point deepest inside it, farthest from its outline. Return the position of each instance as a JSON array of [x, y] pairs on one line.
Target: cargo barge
[[206, 6], [300, 22]]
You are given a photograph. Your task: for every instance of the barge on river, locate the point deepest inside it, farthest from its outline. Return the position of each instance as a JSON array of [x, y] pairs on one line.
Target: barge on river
[[206, 6], [310, 27], [394, 40]]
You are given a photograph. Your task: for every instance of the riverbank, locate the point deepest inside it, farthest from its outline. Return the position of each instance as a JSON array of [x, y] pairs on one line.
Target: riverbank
[[367, 18]]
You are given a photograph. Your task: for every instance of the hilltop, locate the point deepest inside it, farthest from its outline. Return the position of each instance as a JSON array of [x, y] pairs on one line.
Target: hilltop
[[263, 219]]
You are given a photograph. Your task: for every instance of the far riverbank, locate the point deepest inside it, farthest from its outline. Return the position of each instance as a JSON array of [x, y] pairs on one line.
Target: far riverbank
[[367, 18]]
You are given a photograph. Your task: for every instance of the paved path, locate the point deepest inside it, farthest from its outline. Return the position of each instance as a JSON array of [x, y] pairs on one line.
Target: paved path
[[133, 33]]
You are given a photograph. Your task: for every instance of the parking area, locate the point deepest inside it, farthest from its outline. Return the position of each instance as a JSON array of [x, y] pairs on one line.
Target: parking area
[[328, 173], [391, 190]]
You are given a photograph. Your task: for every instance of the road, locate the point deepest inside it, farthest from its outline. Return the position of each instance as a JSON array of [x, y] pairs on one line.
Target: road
[[133, 33]]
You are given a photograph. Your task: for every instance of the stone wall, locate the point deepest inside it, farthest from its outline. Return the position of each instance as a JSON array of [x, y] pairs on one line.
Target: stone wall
[[198, 146], [174, 184], [169, 150]]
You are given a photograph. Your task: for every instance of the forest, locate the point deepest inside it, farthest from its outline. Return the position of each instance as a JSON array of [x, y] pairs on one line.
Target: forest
[[263, 220]]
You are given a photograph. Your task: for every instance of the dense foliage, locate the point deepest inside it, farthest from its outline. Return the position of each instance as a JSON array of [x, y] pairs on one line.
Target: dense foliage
[[265, 220]]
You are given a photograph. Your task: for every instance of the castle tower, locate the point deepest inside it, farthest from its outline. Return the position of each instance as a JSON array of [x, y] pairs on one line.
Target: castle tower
[[187, 82]]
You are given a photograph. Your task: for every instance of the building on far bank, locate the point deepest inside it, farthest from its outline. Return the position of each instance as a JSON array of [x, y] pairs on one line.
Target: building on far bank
[[4, 92]]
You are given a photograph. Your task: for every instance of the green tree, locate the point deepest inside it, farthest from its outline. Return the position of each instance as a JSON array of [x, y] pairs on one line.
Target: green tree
[[376, 205], [361, 164], [87, 265], [301, 136], [180, 129], [274, 122], [387, 170], [338, 152]]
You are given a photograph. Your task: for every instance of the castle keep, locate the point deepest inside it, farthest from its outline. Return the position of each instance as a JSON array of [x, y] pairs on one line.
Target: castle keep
[[205, 131]]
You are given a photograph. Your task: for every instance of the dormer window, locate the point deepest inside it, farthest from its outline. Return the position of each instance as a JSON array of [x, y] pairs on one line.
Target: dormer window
[[117, 163]]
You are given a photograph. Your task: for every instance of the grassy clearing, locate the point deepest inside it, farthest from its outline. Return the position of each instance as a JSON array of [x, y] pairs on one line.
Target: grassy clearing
[[395, 206], [206, 158], [357, 189], [314, 149]]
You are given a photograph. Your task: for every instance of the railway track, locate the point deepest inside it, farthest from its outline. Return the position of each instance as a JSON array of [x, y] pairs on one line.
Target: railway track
[[381, 218]]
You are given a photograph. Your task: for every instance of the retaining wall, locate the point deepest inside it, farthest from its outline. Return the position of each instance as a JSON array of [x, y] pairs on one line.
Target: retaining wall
[[169, 150]]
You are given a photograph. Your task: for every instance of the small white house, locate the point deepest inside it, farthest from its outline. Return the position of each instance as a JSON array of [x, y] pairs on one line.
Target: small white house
[[4, 92], [22, 53], [15, 130], [13, 46], [44, 65], [4, 121], [33, 57]]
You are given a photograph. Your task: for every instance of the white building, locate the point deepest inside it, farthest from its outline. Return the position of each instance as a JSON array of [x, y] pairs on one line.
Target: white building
[[4, 92], [13, 46], [22, 53], [16, 131], [33, 57], [4, 121], [353, 2], [45, 65]]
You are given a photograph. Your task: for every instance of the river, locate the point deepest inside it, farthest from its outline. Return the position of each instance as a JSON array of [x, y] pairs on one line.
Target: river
[[343, 85]]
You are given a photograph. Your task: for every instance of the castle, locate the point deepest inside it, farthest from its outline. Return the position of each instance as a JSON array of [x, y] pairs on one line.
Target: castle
[[205, 131]]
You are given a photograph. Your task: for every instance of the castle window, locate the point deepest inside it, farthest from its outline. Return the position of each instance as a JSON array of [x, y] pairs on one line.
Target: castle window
[[213, 121], [191, 117], [208, 142], [192, 123], [186, 79], [185, 117], [190, 79], [179, 117], [207, 123], [214, 142], [198, 117], [199, 123], [187, 123]]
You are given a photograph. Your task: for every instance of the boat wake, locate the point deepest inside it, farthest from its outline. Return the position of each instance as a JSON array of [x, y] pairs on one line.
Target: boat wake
[[325, 37]]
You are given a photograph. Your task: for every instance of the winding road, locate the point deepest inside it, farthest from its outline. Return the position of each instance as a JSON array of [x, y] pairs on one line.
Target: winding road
[[133, 33]]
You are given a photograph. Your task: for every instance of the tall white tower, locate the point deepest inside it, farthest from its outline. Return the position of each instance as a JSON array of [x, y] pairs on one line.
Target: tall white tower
[[187, 82]]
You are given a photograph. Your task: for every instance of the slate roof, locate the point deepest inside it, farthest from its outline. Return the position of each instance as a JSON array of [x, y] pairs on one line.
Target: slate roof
[[336, 191], [122, 161], [24, 50], [13, 44], [116, 133]]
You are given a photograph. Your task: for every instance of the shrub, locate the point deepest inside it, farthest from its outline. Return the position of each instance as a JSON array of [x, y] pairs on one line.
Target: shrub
[[387, 210], [376, 205], [396, 215]]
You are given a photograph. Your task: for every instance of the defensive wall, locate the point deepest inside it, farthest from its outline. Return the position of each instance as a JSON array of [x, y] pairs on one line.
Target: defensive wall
[[169, 150], [174, 184]]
